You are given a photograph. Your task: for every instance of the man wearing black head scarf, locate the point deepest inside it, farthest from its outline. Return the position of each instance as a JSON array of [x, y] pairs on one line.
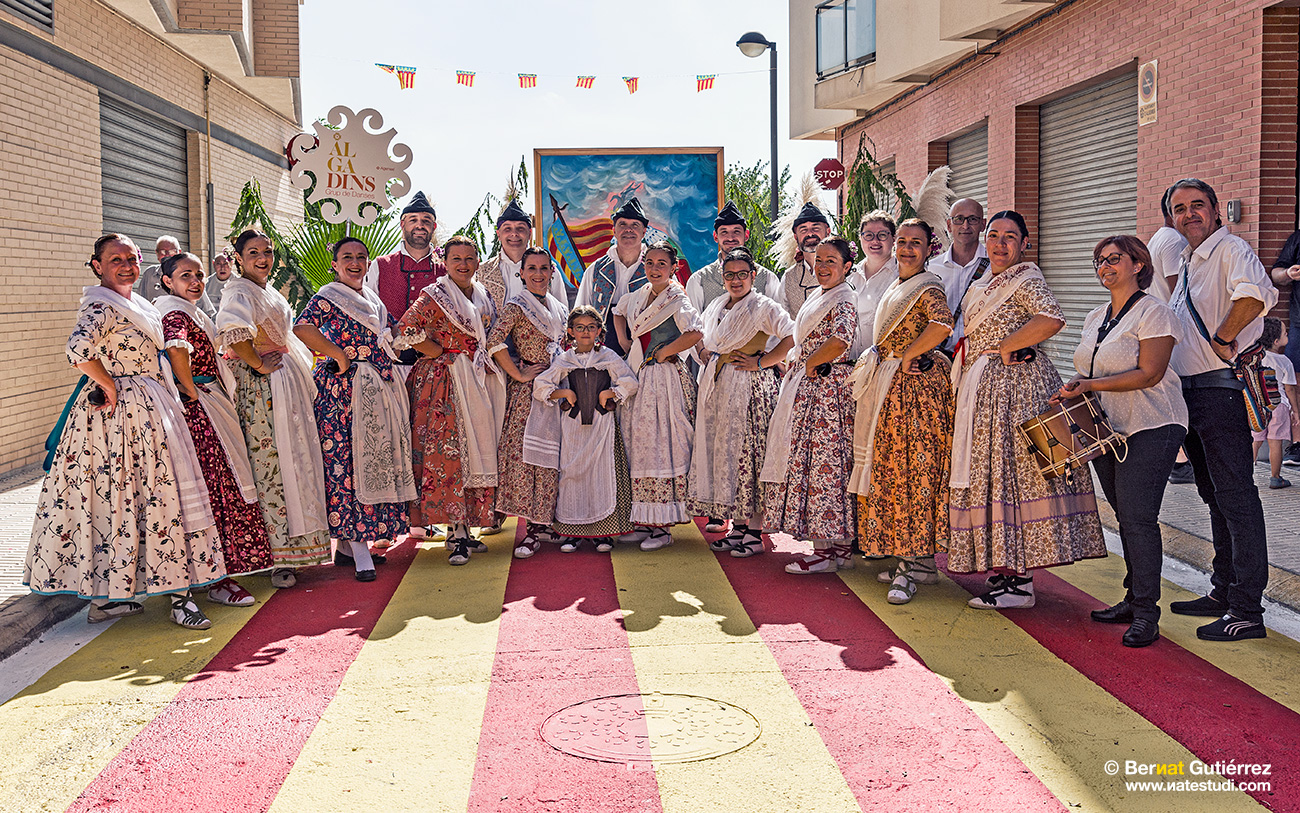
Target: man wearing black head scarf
[[499, 274], [730, 230]]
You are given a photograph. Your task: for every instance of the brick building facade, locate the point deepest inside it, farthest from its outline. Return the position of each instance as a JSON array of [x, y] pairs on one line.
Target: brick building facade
[[167, 62]]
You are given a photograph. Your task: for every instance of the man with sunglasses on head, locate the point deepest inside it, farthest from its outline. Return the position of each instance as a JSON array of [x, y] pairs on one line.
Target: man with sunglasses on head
[[963, 263]]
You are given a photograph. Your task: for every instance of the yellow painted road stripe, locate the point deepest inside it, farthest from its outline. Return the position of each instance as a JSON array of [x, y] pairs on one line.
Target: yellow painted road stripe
[[689, 634], [61, 731], [1059, 723], [402, 731], [1268, 665]]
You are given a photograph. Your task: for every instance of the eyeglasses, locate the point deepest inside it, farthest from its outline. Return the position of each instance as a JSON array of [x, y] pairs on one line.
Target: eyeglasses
[[882, 236], [585, 328], [730, 275], [1112, 260], [958, 220]]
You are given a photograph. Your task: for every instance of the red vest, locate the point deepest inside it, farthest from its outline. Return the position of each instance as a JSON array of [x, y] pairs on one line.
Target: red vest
[[401, 279]]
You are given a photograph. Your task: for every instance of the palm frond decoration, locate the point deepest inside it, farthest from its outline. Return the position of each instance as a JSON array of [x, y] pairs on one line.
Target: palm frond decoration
[[286, 270]]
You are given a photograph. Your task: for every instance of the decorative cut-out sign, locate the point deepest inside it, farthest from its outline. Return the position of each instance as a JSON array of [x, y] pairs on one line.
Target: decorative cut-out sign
[[354, 172]]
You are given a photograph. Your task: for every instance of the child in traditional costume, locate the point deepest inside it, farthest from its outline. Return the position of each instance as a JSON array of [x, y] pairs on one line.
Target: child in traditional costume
[[362, 412], [533, 322], [459, 401], [207, 386], [274, 395], [590, 384], [663, 324]]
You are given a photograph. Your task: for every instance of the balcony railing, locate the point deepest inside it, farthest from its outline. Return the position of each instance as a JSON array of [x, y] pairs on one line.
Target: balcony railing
[[846, 35]]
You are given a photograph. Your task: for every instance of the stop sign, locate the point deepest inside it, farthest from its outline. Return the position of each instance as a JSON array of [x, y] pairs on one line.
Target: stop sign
[[829, 173]]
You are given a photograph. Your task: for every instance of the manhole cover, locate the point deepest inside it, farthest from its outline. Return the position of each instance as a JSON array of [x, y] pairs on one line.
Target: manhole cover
[[650, 727]]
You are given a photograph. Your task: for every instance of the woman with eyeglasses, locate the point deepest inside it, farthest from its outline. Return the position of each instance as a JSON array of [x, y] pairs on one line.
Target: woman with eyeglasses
[[877, 271], [1005, 516], [746, 336], [1124, 358]]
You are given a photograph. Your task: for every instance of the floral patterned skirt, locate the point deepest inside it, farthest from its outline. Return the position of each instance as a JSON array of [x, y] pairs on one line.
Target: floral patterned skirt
[[764, 388], [244, 539], [438, 446], [349, 520], [108, 522], [523, 490], [253, 403]]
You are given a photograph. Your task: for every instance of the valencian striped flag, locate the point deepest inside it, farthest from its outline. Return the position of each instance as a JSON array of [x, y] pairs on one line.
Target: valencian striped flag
[[465, 78], [586, 81], [574, 248], [631, 83], [527, 80], [704, 81], [405, 75]]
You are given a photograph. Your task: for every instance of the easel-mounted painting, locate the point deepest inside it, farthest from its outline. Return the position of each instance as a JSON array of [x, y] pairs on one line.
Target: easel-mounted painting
[[680, 189]]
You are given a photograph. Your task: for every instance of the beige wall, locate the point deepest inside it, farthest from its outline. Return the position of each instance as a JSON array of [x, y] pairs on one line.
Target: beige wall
[[50, 194], [806, 119]]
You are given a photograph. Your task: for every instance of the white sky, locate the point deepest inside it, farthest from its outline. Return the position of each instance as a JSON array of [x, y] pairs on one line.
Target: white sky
[[466, 141]]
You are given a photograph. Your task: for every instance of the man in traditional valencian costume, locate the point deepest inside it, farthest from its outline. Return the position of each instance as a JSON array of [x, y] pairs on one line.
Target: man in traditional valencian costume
[[500, 273], [619, 272], [730, 230], [400, 277], [795, 251]]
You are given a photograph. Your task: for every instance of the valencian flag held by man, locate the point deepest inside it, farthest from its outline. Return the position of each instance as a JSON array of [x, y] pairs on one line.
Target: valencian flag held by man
[[405, 75]]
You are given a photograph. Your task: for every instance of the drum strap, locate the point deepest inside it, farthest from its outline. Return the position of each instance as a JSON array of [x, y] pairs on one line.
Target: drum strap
[[1109, 325]]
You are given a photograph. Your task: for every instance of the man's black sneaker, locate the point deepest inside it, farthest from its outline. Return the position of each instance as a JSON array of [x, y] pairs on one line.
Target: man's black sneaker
[[1207, 606], [1231, 628], [1182, 474], [1292, 456]]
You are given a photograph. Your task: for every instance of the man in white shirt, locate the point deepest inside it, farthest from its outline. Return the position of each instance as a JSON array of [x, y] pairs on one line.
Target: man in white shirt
[[730, 230], [1222, 295], [619, 272], [499, 273], [1166, 247], [964, 262]]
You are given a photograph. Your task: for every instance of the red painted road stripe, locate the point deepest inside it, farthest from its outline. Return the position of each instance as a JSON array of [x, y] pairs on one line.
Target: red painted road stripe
[[561, 641], [1213, 714], [231, 736], [899, 735]]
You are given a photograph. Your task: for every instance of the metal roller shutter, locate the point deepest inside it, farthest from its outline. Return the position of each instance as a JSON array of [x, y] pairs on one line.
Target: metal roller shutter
[[145, 176], [1087, 190], [968, 158]]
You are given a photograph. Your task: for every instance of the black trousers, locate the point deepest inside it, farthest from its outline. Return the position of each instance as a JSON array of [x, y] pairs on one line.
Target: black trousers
[[1135, 488], [1218, 445]]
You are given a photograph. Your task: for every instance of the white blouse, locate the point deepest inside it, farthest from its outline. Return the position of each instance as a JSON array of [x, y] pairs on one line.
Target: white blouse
[[1133, 411]]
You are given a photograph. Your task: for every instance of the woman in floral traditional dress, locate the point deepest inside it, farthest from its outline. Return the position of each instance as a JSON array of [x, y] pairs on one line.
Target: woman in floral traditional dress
[[206, 386], [809, 454], [274, 394], [1005, 516], [903, 426], [361, 412], [746, 336], [533, 322], [660, 418], [123, 511], [459, 401]]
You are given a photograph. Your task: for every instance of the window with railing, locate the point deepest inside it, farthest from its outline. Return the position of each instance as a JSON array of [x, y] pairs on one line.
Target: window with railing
[[846, 35]]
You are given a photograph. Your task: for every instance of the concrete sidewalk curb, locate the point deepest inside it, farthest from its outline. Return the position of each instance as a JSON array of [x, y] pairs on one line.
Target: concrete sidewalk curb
[[23, 619], [1283, 585]]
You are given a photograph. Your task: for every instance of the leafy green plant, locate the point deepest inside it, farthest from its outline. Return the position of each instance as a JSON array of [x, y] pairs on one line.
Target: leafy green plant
[[311, 241], [483, 221], [750, 188], [868, 188], [286, 271]]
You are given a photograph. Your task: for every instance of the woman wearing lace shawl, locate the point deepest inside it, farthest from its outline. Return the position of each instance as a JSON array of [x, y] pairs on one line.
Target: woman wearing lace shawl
[[274, 395], [361, 412]]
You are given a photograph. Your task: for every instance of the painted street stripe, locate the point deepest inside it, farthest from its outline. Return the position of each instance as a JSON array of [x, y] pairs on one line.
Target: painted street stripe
[[899, 735], [402, 730], [233, 732], [1061, 725], [561, 641], [690, 635], [1214, 715]]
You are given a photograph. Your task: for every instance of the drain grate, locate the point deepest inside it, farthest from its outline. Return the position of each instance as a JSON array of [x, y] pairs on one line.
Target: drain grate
[[662, 728]]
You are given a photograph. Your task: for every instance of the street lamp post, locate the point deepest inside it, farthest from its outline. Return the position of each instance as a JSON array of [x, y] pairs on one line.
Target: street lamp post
[[752, 45]]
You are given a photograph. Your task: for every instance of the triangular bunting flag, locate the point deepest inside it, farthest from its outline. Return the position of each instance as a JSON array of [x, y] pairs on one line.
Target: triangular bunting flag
[[704, 81], [586, 81], [631, 83], [527, 80], [405, 75], [465, 78]]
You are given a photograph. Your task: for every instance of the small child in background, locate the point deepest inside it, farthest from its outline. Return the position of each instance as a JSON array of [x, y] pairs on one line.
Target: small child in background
[[1282, 429]]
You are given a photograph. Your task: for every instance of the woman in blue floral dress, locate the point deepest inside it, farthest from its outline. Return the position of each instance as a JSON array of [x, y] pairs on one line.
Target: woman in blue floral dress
[[362, 412]]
